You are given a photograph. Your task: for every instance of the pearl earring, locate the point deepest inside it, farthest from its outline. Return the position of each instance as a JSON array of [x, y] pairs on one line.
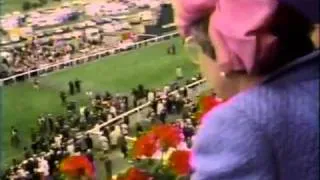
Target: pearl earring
[[223, 74]]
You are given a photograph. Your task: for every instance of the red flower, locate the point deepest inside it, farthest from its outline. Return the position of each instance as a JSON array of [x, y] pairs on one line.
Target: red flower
[[77, 166], [168, 135], [179, 162], [146, 145], [206, 104], [136, 174]]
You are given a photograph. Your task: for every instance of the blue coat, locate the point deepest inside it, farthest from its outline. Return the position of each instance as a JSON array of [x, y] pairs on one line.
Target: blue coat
[[269, 132]]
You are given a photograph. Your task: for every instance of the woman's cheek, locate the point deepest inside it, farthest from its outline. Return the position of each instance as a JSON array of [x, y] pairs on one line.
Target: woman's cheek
[[209, 70], [222, 86]]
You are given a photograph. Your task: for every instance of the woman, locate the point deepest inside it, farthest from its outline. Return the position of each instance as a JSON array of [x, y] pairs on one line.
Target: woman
[[259, 55]]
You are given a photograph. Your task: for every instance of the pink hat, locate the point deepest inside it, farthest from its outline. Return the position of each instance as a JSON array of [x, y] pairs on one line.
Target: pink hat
[[237, 28]]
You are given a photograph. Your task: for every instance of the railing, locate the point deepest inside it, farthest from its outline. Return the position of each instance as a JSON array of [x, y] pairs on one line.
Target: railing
[[96, 130], [94, 56]]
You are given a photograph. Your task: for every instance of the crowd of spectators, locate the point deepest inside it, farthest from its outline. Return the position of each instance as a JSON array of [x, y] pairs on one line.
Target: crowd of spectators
[[36, 54], [60, 136]]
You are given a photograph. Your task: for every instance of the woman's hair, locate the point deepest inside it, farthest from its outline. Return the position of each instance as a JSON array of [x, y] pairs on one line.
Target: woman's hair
[[291, 28]]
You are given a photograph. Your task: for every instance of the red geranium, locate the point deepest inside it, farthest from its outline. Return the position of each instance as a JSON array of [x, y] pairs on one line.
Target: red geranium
[[168, 135], [179, 162], [136, 174], [206, 104], [77, 166], [146, 145]]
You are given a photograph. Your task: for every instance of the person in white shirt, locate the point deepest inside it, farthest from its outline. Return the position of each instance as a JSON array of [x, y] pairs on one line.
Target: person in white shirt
[[160, 107], [188, 121], [57, 140], [113, 110], [82, 109], [114, 136], [122, 106], [109, 116], [44, 167], [70, 147], [151, 95], [166, 89], [179, 73], [104, 143], [22, 173], [124, 129]]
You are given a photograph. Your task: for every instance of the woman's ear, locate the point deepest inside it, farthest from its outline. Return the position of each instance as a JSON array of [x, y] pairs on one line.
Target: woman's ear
[[315, 36]]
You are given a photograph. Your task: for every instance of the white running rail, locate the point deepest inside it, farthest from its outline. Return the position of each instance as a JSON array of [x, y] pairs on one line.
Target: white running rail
[[96, 129]]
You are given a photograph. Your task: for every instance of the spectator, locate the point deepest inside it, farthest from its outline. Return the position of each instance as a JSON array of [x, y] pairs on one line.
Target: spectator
[[63, 97], [151, 96], [42, 124], [36, 83], [163, 116], [50, 121], [124, 128], [160, 107], [71, 147], [179, 73], [89, 142], [15, 139], [114, 135], [122, 143], [107, 165], [71, 88], [90, 156], [104, 143], [27, 153], [139, 129], [33, 134], [173, 48], [77, 84]]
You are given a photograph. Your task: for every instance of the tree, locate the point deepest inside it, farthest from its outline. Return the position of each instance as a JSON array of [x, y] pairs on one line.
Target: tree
[[26, 5]]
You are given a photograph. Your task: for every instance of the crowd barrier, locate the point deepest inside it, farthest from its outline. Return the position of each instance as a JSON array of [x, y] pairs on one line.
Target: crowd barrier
[[86, 58], [96, 130]]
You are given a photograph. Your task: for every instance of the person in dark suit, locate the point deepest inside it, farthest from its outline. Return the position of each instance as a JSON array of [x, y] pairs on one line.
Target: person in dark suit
[[107, 165], [173, 49], [36, 83], [15, 139], [89, 155], [89, 142], [71, 88], [139, 129], [77, 84], [63, 97], [163, 116], [122, 143]]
